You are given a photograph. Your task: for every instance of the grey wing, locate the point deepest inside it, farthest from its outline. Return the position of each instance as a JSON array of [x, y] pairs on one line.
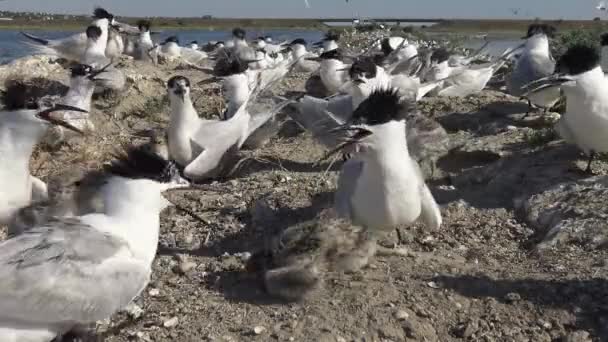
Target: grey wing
[[211, 157], [66, 271], [347, 182], [315, 116], [528, 69]]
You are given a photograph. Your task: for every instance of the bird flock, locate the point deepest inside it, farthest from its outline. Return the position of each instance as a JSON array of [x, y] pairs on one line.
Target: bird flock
[[81, 248]]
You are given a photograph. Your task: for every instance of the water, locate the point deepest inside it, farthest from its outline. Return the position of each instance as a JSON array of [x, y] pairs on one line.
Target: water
[[12, 45]]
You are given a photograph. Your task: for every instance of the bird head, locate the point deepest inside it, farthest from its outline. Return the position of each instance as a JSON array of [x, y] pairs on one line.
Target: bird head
[[178, 88]]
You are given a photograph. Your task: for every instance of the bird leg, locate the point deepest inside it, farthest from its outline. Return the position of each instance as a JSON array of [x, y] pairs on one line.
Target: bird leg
[[529, 109], [591, 157]]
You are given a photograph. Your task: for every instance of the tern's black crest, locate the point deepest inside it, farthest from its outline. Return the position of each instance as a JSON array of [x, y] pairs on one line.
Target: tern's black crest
[[332, 35], [604, 39], [440, 55], [380, 107], [172, 83], [172, 39], [239, 33], [578, 59], [545, 29], [93, 32], [386, 47], [139, 163], [299, 41], [81, 70], [363, 67], [144, 25], [101, 13], [194, 42]]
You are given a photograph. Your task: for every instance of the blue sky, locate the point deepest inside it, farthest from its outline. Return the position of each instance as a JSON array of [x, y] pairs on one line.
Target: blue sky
[[549, 9]]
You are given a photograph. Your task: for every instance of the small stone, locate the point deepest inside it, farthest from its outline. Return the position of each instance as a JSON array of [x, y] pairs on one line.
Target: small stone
[[154, 292], [259, 330], [185, 267], [401, 315], [433, 285], [511, 128], [134, 311], [171, 322], [512, 297], [340, 339]]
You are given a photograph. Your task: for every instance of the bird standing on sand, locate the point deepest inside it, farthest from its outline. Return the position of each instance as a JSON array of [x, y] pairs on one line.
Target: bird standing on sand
[[585, 122], [535, 63], [382, 187], [111, 79]]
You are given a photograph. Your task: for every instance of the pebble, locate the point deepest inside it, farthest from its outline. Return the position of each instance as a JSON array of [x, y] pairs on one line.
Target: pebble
[[401, 315], [340, 339], [134, 311], [513, 297], [154, 292], [186, 266], [258, 330], [171, 322]]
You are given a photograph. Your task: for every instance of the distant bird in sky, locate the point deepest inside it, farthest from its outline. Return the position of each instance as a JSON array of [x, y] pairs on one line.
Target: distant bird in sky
[[602, 6], [307, 3]]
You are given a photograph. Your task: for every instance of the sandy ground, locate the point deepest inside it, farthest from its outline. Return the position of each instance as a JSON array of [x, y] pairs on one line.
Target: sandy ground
[[482, 277]]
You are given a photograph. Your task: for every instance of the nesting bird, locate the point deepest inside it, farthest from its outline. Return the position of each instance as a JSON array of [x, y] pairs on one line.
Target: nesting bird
[[200, 145], [71, 272]]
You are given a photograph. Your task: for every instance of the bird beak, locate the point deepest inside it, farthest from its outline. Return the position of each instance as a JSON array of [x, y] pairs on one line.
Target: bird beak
[[343, 69], [46, 116], [358, 133], [316, 59], [96, 73], [546, 82], [249, 61]]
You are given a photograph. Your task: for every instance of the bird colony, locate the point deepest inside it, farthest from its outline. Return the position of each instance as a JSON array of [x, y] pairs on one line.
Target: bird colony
[[372, 177]]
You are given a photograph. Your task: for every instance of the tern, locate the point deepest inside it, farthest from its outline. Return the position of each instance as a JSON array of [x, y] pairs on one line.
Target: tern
[[82, 86], [299, 53], [113, 79], [580, 76], [73, 47], [200, 145], [70, 272], [20, 131], [333, 70], [143, 45], [535, 63], [329, 42], [382, 187]]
